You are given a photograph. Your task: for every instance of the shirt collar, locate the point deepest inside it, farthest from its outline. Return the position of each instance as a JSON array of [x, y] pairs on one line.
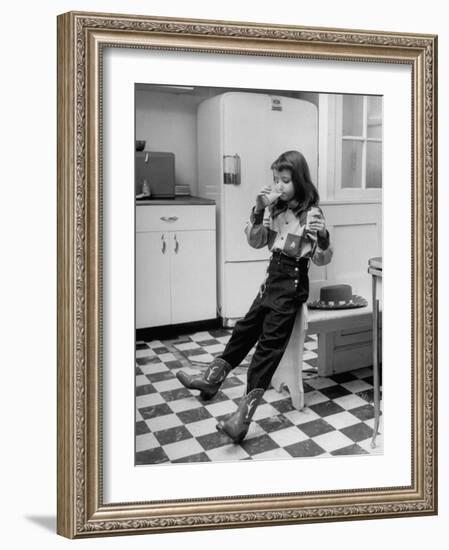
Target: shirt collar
[[281, 206]]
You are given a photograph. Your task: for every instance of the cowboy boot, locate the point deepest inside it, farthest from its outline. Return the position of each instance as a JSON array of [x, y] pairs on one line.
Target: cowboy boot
[[236, 425], [210, 382]]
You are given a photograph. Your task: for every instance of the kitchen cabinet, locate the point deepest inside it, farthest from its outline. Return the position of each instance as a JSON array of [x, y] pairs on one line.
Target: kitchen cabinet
[[152, 273], [175, 264]]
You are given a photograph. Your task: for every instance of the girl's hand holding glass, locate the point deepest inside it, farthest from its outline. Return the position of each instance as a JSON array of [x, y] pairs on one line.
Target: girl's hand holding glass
[[265, 197]]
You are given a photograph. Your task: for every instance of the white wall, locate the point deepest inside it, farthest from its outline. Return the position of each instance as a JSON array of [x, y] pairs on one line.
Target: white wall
[[167, 123], [356, 234], [28, 295]]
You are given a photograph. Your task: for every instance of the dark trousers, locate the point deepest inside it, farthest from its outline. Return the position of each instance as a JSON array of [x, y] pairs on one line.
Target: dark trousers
[[270, 320]]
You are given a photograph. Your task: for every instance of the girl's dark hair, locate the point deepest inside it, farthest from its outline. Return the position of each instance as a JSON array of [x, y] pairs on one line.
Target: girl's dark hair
[[305, 191]]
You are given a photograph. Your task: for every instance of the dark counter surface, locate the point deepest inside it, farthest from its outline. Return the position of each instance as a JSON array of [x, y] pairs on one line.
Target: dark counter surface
[[181, 199]]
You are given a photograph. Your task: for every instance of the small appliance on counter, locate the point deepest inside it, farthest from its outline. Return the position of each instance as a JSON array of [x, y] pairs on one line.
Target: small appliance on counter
[[154, 175]]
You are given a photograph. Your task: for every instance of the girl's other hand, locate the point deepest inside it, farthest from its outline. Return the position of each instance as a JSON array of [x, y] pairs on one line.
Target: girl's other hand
[[260, 201], [316, 224]]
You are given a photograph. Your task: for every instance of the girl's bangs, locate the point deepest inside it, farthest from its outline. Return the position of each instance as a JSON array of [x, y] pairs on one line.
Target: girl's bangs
[[282, 165]]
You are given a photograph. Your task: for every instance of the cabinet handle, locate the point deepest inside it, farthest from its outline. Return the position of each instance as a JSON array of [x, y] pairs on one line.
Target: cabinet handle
[[164, 245], [176, 245], [169, 218]]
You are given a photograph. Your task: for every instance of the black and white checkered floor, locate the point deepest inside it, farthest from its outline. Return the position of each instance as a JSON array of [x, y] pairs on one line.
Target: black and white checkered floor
[[173, 425]]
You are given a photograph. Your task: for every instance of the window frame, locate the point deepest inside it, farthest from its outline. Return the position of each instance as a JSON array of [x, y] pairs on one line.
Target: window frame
[[356, 193]]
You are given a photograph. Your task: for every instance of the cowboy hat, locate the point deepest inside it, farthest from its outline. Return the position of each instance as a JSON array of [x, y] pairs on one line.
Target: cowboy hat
[[337, 297]]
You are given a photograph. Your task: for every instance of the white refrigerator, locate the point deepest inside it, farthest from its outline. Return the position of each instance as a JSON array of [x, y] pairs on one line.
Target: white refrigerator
[[251, 129]]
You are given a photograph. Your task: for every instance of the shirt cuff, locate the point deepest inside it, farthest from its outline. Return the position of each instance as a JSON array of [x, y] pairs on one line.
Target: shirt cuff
[[256, 217], [323, 242]]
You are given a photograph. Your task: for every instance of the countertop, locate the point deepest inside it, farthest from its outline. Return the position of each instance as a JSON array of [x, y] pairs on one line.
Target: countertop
[[181, 199]]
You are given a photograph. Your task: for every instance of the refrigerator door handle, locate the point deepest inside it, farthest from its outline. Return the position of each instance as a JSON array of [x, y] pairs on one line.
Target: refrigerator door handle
[[239, 171], [232, 169]]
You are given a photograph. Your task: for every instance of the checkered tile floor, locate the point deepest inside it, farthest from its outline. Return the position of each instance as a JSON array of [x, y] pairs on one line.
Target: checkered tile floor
[[173, 425]]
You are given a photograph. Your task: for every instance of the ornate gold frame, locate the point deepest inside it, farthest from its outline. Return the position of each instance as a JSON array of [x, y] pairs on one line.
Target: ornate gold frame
[[81, 37]]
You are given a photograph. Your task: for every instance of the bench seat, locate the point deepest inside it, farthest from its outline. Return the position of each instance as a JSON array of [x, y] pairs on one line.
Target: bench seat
[[322, 320]]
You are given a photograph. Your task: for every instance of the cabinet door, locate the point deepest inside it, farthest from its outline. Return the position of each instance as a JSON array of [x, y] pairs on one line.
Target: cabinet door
[[152, 279], [193, 276]]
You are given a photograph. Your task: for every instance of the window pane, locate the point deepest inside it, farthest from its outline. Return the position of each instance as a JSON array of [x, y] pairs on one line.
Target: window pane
[[374, 117], [352, 115], [351, 164], [374, 165]]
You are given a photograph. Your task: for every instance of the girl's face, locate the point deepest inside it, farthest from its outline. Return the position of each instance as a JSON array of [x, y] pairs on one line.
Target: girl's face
[[283, 184]]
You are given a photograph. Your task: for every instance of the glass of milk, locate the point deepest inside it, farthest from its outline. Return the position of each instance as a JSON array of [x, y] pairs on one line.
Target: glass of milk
[[312, 215]]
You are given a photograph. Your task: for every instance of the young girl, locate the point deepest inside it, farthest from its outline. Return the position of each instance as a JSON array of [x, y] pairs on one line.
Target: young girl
[[296, 234]]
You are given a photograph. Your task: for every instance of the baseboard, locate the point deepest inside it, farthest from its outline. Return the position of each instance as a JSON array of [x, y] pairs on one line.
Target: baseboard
[[173, 331]]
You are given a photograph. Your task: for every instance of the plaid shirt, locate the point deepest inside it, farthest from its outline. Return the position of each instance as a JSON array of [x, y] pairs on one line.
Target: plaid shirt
[[286, 231]]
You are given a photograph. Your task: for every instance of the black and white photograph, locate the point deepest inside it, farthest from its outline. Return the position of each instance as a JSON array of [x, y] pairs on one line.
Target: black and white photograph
[[237, 202], [258, 274]]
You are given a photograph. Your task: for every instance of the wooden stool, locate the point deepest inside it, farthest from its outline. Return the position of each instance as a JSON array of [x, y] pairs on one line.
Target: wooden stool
[[289, 371], [337, 345]]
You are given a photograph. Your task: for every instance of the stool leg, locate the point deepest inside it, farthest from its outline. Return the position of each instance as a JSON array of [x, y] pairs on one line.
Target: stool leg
[[289, 371], [375, 363]]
